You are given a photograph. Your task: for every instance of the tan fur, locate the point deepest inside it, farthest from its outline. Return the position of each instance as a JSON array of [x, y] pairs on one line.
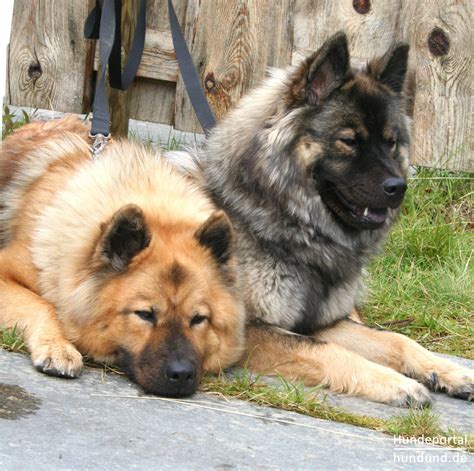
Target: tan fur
[[56, 204], [405, 158], [344, 148], [348, 133], [399, 353], [319, 363], [307, 151]]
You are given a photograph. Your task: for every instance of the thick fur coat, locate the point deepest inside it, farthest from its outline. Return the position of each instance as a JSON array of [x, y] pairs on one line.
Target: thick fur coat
[[120, 258]]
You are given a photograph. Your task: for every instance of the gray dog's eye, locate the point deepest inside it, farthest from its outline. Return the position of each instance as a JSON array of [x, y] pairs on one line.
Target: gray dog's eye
[[348, 141], [198, 319], [146, 315]]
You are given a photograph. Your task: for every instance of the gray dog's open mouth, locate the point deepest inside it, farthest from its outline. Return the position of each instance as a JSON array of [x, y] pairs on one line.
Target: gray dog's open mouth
[[360, 217]]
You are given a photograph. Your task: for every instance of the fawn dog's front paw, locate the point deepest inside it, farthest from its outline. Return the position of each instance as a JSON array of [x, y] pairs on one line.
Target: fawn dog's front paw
[[59, 359]]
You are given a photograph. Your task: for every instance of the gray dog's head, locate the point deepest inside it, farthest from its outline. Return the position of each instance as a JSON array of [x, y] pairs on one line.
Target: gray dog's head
[[318, 147]]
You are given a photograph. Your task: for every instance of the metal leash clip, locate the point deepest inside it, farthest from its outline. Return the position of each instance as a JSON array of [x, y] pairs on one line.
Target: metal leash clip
[[100, 141]]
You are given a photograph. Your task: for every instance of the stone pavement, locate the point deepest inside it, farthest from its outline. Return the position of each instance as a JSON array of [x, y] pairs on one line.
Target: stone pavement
[[101, 421]]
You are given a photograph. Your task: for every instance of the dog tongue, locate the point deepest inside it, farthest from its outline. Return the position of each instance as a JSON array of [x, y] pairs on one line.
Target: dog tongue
[[376, 215]]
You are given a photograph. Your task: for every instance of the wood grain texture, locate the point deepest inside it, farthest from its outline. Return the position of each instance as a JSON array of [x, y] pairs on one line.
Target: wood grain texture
[[443, 130], [120, 100], [234, 41], [154, 100], [158, 59], [368, 34], [47, 54], [232, 44], [89, 73]]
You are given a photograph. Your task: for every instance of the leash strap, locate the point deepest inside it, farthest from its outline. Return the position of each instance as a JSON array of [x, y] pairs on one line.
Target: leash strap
[[104, 23], [117, 78], [188, 73]]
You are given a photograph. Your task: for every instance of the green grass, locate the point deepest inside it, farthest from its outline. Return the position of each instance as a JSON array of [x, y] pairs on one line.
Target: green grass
[[12, 340], [10, 122], [286, 396], [425, 423], [422, 283], [172, 142]]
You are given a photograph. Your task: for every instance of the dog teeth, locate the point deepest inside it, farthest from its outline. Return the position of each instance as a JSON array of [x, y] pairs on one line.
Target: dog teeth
[[366, 212]]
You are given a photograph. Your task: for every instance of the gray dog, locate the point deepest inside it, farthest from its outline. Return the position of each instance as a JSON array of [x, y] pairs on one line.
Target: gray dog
[[311, 169]]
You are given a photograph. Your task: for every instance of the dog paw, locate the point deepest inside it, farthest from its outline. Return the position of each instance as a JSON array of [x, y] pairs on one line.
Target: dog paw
[[454, 381], [61, 359], [410, 393]]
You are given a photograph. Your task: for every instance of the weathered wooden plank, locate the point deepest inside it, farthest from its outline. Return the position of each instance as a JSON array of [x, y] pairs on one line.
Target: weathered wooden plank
[[47, 54], [371, 26], [232, 44], [155, 100], [441, 37], [158, 59], [119, 100]]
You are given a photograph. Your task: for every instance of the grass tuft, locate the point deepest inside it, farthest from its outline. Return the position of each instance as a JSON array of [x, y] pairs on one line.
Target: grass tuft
[[287, 396], [416, 423], [421, 283], [172, 142], [10, 121], [424, 423], [12, 340]]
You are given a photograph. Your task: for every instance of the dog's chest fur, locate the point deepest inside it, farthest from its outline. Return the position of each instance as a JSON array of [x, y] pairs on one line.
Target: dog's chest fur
[[295, 288]]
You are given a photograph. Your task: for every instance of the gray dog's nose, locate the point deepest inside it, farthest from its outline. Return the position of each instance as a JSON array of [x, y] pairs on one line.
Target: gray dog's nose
[[394, 187]]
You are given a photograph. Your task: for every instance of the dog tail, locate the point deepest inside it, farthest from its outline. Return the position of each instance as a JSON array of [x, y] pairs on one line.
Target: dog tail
[[188, 162]]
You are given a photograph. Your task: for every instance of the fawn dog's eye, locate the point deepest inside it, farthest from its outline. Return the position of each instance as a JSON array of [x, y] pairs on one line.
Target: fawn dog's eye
[[198, 319], [149, 315]]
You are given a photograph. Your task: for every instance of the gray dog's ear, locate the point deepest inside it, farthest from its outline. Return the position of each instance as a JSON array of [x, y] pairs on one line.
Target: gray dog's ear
[[391, 68], [217, 235], [123, 237], [322, 72]]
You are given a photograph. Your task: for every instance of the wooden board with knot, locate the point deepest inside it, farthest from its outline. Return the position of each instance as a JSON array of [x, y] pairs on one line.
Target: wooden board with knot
[[233, 42]]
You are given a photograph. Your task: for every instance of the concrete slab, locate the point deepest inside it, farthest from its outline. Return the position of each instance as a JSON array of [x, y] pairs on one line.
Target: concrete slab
[[103, 421]]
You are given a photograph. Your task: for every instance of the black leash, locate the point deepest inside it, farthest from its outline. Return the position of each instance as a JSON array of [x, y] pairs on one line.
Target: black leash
[[104, 23], [188, 73]]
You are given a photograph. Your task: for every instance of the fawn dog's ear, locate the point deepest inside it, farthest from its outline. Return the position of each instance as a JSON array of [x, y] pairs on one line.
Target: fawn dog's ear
[[124, 236], [217, 235], [391, 68], [322, 72]]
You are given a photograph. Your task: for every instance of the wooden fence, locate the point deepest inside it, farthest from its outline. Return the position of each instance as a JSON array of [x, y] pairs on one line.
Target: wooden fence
[[232, 42]]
